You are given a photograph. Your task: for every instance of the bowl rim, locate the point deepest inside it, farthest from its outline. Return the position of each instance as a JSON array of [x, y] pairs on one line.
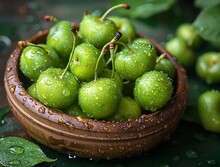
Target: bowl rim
[[172, 111]]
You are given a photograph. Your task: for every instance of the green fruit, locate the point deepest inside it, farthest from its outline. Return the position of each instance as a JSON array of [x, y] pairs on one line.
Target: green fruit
[[209, 110], [125, 26], [208, 67], [107, 73], [57, 92], [84, 62], [189, 34], [134, 62], [99, 99], [153, 90], [166, 66], [75, 110], [37, 58], [97, 32], [32, 91], [179, 49], [127, 109]]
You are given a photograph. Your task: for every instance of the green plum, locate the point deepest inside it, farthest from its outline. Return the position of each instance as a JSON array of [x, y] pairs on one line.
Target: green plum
[[209, 110], [35, 59], [107, 73], [75, 110], [127, 109], [166, 66], [56, 91], [179, 49], [99, 30], [99, 98], [134, 62], [190, 34], [153, 90], [32, 91], [84, 62], [61, 39], [208, 67], [125, 26]]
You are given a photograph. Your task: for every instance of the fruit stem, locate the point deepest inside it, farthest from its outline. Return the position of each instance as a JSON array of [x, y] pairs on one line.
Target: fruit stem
[[124, 45], [160, 57], [104, 50], [112, 55], [23, 44], [126, 6], [71, 54]]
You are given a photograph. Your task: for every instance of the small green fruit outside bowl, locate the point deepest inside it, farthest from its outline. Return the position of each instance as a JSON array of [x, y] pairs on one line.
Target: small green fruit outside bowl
[[91, 138]]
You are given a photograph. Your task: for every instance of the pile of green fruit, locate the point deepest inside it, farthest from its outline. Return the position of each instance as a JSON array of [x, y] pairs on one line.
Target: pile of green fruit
[[206, 66], [102, 70]]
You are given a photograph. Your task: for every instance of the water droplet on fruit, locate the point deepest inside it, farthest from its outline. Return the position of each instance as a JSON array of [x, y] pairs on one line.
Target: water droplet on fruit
[[16, 150], [65, 92], [191, 154], [14, 162], [12, 89]]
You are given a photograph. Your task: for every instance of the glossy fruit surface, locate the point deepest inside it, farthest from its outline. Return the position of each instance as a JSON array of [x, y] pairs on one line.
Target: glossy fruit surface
[[134, 62], [125, 26], [190, 34], [209, 110], [57, 92], [178, 48], [75, 110], [36, 59], [61, 39], [107, 73], [166, 66], [84, 62], [97, 32], [208, 67], [128, 108], [99, 99], [153, 90], [32, 91]]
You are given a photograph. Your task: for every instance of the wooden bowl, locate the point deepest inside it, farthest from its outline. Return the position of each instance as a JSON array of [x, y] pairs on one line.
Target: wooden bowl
[[87, 137]]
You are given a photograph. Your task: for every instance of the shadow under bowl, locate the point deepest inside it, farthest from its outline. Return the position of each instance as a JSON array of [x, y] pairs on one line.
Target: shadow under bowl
[[91, 138]]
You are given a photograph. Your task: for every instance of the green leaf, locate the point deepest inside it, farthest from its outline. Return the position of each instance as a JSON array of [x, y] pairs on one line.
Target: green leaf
[[204, 3], [16, 151], [208, 23], [144, 8]]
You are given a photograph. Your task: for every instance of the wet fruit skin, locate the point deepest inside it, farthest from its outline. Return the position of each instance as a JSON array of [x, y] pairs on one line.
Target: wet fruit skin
[[208, 67], [153, 90], [209, 110], [97, 32], [133, 63], [34, 60], [125, 26], [179, 49], [99, 99], [127, 109], [32, 91], [56, 92], [166, 66], [61, 39], [84, 62]]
